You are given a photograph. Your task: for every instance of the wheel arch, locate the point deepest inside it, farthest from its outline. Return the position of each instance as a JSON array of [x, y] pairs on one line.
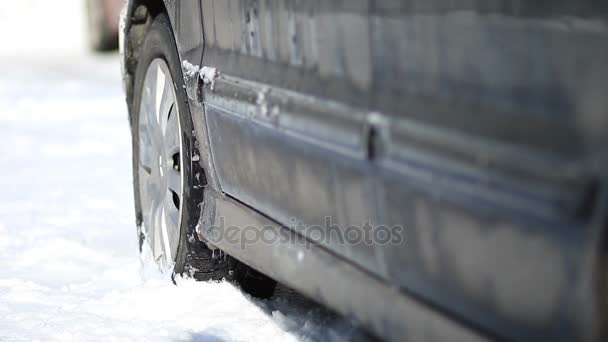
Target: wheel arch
[[136, 18]]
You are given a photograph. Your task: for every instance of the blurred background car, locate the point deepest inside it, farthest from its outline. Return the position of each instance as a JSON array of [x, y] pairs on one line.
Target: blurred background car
[[102, 24]]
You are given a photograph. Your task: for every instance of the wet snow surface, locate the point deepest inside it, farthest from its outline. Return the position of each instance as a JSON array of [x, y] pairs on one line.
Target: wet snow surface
[[69, 266]]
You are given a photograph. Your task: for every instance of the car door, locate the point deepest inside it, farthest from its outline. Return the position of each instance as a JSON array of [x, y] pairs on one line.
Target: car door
[[286, 138], [485, 160]]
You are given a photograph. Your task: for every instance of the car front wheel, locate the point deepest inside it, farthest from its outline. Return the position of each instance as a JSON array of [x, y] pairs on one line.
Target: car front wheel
[[168, 181], [167, 195]]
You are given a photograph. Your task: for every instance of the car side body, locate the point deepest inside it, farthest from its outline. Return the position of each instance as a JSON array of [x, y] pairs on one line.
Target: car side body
[[478, 129]]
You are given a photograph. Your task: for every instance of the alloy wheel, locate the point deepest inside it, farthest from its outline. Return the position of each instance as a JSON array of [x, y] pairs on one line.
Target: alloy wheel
[[160, 172]]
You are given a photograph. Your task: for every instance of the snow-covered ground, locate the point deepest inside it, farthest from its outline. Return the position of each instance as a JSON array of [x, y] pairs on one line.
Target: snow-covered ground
[[69, 266]]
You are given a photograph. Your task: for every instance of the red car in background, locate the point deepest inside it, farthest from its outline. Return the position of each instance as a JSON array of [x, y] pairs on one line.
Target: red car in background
[[102, 23]]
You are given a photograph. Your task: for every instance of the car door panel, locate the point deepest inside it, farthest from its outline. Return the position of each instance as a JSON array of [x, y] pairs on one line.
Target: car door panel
[[296, 166], [478, 246]]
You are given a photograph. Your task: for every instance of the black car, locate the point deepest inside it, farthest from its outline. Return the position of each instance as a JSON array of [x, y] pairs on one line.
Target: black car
[[434, 169]]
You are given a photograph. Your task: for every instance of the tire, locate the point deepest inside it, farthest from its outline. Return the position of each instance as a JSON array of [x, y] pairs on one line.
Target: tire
[[192, 257], [101, 38]]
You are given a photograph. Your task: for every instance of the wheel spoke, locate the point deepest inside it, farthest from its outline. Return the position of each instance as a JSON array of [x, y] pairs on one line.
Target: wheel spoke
[[172, 138], [171, 223], [156, 136], [165, 100], [150, 194], [174, 181], [149, 121], [147, 154], [153, 97], [157, 243], [149, 98], [164, 235]]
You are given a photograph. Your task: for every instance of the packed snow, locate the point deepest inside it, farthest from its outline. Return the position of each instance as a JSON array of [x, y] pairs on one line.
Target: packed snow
[[208, 75], [190, 69], [69, 263]]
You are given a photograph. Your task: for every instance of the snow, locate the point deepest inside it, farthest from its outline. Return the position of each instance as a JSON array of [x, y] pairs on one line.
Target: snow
[[190, 69], [208, 75], [69, 264]]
